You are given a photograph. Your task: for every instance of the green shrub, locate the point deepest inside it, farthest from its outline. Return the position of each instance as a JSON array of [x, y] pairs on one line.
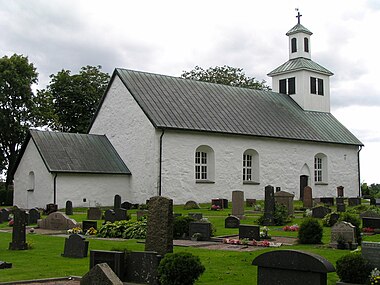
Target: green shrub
[[6, 196], [353, 268], [355, 221], [327, 221], [124, 229], [310, 231], [180, 269], [181, 226]]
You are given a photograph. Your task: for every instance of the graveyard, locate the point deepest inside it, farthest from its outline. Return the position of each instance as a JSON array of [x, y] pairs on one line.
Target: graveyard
[[238, 241]]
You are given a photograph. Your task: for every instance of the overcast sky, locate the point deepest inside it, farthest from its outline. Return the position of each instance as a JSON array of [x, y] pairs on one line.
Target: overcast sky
[[169, 37]]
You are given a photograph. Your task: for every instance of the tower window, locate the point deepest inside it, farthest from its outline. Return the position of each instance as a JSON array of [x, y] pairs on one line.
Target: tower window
[[288, 86], [306, 44], [320, 86], [294, 45], [316, 86]]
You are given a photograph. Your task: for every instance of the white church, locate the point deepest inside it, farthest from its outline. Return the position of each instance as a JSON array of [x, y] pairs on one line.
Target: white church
[[189, 140]]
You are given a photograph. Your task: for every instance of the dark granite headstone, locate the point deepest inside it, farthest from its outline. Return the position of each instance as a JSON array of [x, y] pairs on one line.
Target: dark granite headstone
[[34, 216], [334, 217], [121, 214], [329, 201], [142, 267], [117, 202], [339, 200], [159, 234], [231, 222], [320, 212], [115, 260], [354, 201], [126, 205], [250, 232], [18, 231], [203, 228], [292, 267], [50, 208], [101, 274], [269, 206], [75, 246], [341, 207], [94, 213], [5, 214], [250, 202], [109, 216], [86, 225], [371, 252], [308, 197], [197, 216], [69, 207], [369, 222]]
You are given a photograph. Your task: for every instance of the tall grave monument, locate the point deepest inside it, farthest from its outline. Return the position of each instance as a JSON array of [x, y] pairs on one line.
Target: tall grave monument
[[269, 206], [18, 233]]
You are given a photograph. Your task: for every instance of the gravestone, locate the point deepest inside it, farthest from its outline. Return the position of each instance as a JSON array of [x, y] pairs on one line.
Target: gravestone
[[109, 216], [196, 216], [286, 199], [339, 191], [250, 202], [339, 200], [34, 216], [121, 214], [86, 225], [142, 267], [5, 214], [308, 197], [199, 227], [141, 214], [377, 202], [249, 232], [371, 222], [334, 217], [101, 274], [346, 231], [238, 204], [50, 208], [191, 205], [94, 213], [117, 202], [18, 231], [341, 207], [354, 201], [222, 203], [115, 260], [329, 201], [69, 208], [127, 205], [269, 206], [57, 221], [76, 246], [320, 212], [369, 214], [232, 222], [159, 233], [371, 252], [292, 267]]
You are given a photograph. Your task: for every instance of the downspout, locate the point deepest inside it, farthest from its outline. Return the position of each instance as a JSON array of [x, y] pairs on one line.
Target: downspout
[[160, 170], [360, 148], [55, 188]]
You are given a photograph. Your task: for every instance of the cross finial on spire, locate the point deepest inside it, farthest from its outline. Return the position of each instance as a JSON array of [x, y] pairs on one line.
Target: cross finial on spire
[[298, 16]]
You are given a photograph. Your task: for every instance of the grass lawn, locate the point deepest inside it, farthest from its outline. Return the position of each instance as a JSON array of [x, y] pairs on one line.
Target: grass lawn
[[44, 260]]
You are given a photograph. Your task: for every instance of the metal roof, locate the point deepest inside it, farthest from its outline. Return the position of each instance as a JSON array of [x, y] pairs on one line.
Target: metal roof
[[78, 153], [298, 29], [300, 63], [177, 103]]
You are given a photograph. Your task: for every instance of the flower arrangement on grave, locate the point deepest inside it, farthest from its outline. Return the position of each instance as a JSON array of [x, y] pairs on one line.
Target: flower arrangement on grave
[[308, 213], [293, 228], [76, 230], [11, 222], [368, 230], [91, 231], [215, 207], [374, 278], [263, 243], [264, 233]]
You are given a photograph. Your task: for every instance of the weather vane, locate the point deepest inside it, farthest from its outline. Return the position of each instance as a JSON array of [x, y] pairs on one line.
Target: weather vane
[[298, 16]]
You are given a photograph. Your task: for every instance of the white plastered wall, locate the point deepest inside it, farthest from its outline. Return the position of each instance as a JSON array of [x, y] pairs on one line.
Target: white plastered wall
[[282, 162]]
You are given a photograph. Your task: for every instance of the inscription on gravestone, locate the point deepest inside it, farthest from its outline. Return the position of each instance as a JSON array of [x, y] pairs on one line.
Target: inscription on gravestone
[[371, 252], [250, 232], [345, 232]]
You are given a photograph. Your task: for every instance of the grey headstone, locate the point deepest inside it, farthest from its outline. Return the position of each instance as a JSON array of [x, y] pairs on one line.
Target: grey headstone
[[203, 228], [292, 267], [101, 274], [117, 202], [344, 230], [69, 208], [159, 235], [121, 214], [115, 260], [34, 216], [269, 206], [371, 252], [249, 231], [18, 231], [57, 221], [354, 201], [320, 212], [142, 267], [232, 222], [76, 246], [109, 216], [94, 213], [238, 204], [286, 199]]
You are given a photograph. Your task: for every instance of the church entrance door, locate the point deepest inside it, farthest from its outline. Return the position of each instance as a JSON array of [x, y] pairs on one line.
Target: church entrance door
[[303, 183]]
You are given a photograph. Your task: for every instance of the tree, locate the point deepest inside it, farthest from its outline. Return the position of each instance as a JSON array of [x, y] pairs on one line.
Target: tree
[[70, 101], [16, 107], [226, 75]]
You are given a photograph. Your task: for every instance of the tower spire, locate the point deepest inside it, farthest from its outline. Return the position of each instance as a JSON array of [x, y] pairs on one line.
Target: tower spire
[[298, 16]]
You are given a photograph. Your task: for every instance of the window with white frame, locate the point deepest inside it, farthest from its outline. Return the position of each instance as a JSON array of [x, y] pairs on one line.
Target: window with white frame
[[247, 167], [320, 168], [250, 169], [204, 164]]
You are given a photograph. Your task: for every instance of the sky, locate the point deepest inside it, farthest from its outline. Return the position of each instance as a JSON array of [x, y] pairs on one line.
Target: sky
[[172, 36]]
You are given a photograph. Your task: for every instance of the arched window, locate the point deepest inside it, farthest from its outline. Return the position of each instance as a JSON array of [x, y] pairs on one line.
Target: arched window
[[306, 44], [294, 45], [320, 168], [204, 164], [31, 181], [251, 167]]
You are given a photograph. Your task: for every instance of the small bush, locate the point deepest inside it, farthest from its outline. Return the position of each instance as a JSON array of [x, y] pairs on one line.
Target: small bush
[[353, 268], [180, 269], [124, 229], [280, 216], [310, 231], [181, 226]]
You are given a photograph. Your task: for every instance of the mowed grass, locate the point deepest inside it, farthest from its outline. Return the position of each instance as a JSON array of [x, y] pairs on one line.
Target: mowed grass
[[44, 260]]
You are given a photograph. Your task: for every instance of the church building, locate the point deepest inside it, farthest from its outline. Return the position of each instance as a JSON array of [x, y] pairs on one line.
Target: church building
[[189, 140]]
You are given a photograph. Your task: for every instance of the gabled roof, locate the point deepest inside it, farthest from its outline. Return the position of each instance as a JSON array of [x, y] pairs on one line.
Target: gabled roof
[[76, 153], [300, 63], [183, 104], [298, 29]]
